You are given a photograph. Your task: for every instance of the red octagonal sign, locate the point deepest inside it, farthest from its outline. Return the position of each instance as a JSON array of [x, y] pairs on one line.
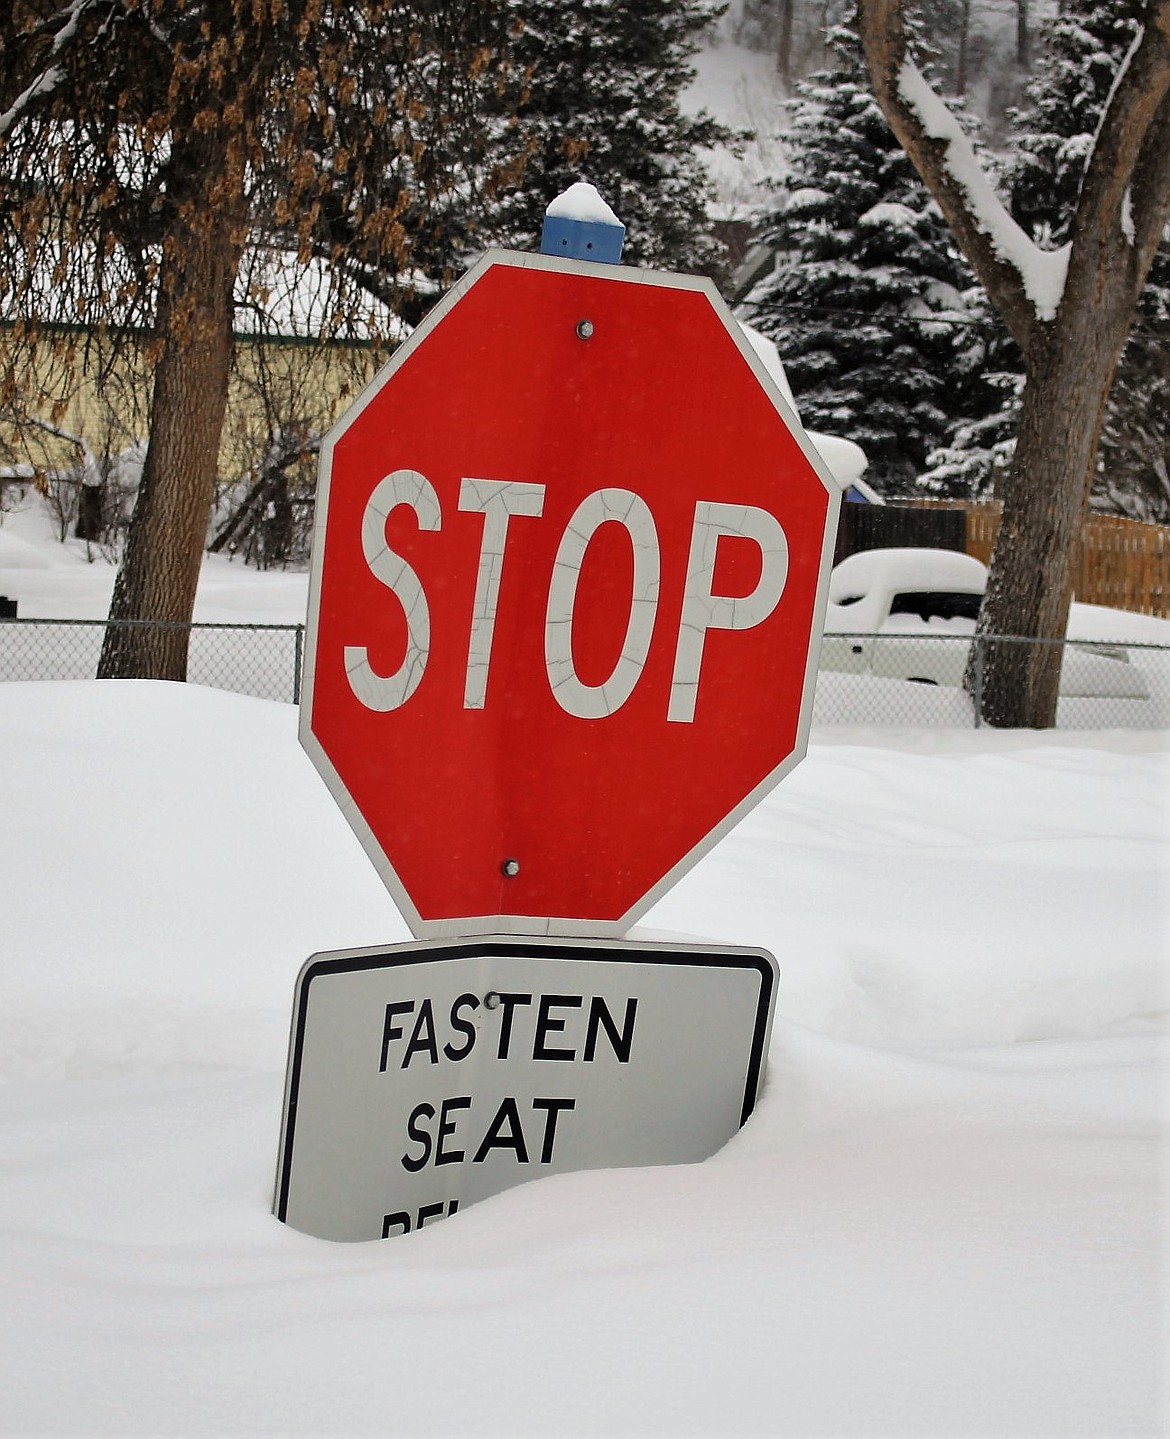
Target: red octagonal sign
[[568, 579]]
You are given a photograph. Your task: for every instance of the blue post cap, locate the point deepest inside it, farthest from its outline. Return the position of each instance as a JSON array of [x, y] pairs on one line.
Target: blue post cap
[[580, 226]]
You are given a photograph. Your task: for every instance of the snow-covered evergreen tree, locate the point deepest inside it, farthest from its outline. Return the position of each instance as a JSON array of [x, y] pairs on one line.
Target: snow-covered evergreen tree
[[602, 104], [866, 301], [987, 381]]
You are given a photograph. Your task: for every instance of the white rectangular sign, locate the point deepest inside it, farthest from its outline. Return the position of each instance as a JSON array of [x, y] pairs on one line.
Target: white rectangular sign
[[423, 1077]]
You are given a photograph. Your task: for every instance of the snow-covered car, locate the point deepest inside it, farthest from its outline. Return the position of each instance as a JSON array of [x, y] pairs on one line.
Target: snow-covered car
[[884, 604]]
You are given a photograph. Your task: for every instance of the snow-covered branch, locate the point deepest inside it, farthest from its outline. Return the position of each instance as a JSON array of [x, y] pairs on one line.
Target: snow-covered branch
[[1042, 272], [45, 83], [1023, 283], [63, 28]]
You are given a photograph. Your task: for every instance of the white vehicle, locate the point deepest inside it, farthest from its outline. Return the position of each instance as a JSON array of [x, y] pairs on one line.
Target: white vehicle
[[884, 604]]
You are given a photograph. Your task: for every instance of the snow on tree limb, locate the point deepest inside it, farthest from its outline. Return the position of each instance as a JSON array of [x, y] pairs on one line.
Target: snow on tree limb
[[1042, 272], [45, 83], [884, 39], [65, 28]]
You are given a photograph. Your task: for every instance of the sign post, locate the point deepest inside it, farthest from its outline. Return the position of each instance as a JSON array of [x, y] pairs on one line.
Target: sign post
[[569, 574]]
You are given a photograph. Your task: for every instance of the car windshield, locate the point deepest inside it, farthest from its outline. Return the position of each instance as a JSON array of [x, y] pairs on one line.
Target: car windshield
[[936, 604]]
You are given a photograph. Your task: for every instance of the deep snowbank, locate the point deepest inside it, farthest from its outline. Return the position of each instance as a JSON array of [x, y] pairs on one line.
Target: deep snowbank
[[171, 843], [908, 1238]]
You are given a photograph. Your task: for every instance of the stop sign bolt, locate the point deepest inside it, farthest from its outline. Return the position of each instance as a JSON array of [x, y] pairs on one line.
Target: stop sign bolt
[[511, 868], [584, 329]]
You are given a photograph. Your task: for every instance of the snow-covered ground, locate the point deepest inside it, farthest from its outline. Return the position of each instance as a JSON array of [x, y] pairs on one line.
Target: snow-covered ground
[[947, 1216], [73, 581]]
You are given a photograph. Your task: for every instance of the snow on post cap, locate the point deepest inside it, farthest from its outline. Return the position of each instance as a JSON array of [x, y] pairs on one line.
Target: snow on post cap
[[581, 226], [582, 201]]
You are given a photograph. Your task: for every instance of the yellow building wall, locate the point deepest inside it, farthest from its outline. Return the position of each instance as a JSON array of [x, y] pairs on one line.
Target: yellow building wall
[[75, 387]]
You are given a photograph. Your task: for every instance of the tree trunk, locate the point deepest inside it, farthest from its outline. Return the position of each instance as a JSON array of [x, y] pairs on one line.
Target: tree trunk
[[963, 64], [164, 545], [1023, 36], [823, 31], [1030, 588], [89, 513], [784, 44]]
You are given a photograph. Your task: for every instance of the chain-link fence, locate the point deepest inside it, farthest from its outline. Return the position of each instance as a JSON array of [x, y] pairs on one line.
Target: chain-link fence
[[260, 660], [909, 679]]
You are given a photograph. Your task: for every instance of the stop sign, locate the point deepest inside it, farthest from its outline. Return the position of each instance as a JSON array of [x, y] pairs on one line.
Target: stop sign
[[567, 584]]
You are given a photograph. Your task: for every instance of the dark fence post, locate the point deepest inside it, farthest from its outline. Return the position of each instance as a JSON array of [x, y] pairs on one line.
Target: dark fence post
[[298, 661]]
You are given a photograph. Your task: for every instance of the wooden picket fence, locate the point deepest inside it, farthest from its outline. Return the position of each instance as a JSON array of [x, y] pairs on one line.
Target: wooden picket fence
[[1124, 564]]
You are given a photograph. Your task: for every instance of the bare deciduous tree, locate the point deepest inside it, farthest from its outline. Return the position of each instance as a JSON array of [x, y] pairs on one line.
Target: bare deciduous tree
[[146, 144]]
